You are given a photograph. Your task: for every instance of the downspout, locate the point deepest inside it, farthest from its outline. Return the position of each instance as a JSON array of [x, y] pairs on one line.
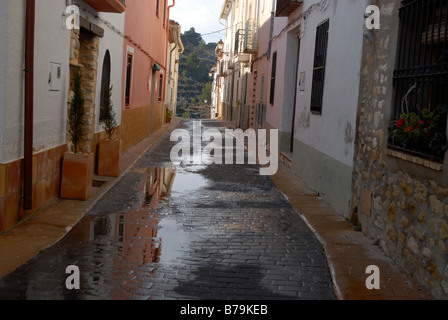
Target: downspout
[[29, 105], [168, 29], [171, 55], [167, 24], [271, 31], [171, 59]]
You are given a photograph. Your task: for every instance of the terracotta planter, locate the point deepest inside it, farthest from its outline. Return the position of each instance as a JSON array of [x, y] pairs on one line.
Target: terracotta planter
[[77, 176], [109, 158]]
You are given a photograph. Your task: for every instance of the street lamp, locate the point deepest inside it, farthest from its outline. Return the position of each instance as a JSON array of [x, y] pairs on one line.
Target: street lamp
[[220, 45]]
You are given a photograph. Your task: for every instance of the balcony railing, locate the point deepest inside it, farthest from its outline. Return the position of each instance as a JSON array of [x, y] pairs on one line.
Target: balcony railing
[[112, 6], [239, 41], [286, 7], [251, 37], [240, 38]]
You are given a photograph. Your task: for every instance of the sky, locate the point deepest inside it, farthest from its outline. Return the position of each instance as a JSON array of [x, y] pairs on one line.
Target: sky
[[203, 15]]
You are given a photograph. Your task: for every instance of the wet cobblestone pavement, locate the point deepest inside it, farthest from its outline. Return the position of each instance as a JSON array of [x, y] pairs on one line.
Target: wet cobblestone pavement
[[191, 232]]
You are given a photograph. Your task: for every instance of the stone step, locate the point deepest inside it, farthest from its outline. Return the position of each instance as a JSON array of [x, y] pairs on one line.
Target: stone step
[[286, 158]]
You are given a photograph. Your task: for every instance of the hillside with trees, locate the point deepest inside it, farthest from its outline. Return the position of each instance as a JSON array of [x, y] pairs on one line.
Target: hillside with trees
[[195, 64]]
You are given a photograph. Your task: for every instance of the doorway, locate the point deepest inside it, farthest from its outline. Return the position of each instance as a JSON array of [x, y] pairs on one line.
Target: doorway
[[290, 90]]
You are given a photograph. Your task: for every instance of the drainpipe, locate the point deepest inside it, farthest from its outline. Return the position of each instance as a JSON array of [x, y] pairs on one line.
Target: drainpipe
[[171, 57], [29, 105], [271, 31], [167, 41]]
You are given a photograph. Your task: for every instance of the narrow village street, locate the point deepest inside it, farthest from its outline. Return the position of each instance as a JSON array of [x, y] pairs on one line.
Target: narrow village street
[[187, 232], [224, 150]]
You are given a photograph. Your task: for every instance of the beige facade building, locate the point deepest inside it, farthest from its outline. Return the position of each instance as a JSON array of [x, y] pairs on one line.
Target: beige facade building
[[175, 49]]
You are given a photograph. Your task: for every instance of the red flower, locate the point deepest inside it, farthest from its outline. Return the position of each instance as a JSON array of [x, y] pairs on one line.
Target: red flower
[[420, 122], [409, 129], [401, 122]]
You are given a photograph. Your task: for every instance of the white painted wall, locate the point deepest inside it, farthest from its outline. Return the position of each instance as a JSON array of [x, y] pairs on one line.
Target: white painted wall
[[329, 132], [12, 122], [52, 43], [113, 42], [50, 108]]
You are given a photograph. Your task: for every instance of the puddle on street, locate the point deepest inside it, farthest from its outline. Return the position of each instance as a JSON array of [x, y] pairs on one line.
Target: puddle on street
[[148, 233]]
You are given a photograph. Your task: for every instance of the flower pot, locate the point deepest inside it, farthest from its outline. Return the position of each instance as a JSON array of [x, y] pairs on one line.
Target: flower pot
[[77, 176], [109, 158]]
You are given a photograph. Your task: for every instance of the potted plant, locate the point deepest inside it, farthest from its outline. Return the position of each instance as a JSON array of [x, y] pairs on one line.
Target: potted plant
[[109, 152], [77, 167], [169, 115], [423, 132]]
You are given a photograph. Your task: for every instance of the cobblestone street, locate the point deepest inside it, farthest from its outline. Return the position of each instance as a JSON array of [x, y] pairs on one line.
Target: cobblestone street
[[187, 232]]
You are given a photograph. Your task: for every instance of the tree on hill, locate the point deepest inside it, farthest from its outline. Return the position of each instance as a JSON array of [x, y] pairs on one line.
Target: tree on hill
[[195, 63]]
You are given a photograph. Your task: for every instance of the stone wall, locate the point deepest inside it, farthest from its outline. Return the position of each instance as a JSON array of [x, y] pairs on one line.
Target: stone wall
[[400, 200], [84, 51]]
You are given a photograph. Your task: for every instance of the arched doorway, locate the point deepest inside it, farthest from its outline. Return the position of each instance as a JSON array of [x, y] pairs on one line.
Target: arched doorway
[[105, 80]]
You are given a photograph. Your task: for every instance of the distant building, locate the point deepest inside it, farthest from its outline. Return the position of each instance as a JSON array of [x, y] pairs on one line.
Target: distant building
[[175, 49]]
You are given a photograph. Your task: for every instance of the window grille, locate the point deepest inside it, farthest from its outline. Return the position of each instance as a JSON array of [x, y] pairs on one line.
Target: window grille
[[420, 77], [128, 80], [320, 59], [274, 71]]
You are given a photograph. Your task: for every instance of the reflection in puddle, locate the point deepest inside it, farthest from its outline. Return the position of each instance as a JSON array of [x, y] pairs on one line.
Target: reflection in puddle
[[147, 235], [187, 182], [126, 243]]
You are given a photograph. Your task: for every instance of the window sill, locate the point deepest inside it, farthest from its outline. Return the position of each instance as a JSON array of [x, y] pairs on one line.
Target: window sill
[[414, 159]]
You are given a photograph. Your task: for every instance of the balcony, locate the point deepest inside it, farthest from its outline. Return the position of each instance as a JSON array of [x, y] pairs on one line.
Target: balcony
[[111, 6], [251, 37], [286, 7], [239, 54]]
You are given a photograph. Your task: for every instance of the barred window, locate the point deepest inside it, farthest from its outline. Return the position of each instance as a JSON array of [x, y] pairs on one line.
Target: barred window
[[273, 75], [320, 60], [420, 80]]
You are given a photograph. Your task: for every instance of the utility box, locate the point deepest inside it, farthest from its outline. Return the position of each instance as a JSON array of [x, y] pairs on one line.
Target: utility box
[[55, 77]]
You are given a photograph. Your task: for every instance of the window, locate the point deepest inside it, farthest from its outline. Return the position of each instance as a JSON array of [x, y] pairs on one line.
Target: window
[[127, 96], [160, 87], [105, 81], [421, 80], [274, 71], [320, 59], [164, 13], [262, 90], [261, 107]]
